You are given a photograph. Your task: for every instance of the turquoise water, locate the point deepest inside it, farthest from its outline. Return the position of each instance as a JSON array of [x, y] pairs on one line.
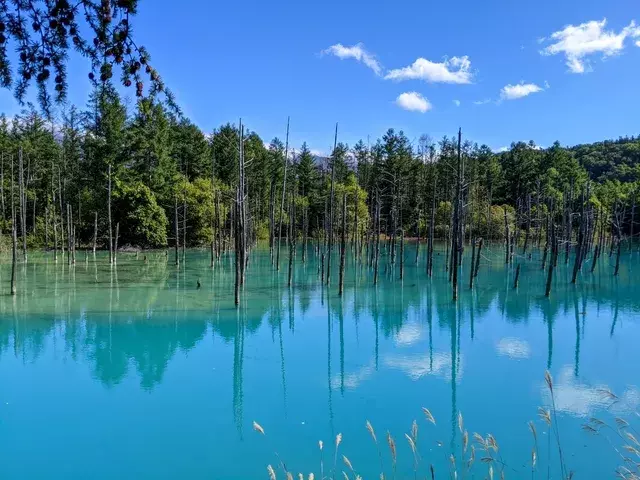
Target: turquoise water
[[132, 372]]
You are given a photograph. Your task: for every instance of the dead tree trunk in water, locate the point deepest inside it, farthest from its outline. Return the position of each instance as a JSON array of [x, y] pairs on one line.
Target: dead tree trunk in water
[[473, 262], [284, 189], [377, 240], [401, 252], [292, 240], [95, 231], [305, 228], [343, 243], [581, 240], [23, 207], [237, 249], [506, 236], [432, 222], [528, 231], [617, 219], [14, 236], [331, 195], [176, 229], [456, 241], [475, 270], [552, 261], [115, 243], [109, 215]]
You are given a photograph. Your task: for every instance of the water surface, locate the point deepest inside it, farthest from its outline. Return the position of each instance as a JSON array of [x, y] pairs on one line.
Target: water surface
[[131, 371]]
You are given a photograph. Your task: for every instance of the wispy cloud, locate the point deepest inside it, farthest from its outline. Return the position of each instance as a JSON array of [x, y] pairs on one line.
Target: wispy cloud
[[577, 42], [456, 103], [451, 70], [583, 400], [512, 92], [413, 102], [357, 52], [482, 102], [417, 366], [513, 347]]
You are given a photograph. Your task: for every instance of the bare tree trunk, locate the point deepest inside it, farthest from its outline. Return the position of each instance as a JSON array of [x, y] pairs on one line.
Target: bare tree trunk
[[617, 269], [377, 240], [237, 249], [69, 233], [305, 227], [581, 240], [23, 207], [61, 203], [517, 278], [343, 243], [331, 195], [284, 190], [184, 227], [432, 223], [46, 228], [111, 253], [14, 236], [528, 231], [506, 235], [473, 262], [95, 231], [456, 237], [355, 221], [552, 261], [176, 229], [401, 253], [477, 265], [292, 241], [115, 243], [218, 223]]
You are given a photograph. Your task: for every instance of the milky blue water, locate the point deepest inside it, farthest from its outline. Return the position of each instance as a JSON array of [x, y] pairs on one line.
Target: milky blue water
[[132, 372]]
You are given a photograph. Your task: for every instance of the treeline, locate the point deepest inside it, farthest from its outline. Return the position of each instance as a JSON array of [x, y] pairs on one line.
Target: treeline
[[104, 176]]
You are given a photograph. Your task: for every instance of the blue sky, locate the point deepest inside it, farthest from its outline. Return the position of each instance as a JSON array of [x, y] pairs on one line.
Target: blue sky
[[264, 60]]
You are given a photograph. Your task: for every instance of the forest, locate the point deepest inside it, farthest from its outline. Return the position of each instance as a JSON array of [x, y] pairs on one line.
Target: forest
[[164, 182]]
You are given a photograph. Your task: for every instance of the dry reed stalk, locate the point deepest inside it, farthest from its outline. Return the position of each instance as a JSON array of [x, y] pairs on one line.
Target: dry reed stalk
[[412, 445], [335, 456], [375, 440], [392, 449], [272, 472], [428, 415], [258, 428], [347, 462]]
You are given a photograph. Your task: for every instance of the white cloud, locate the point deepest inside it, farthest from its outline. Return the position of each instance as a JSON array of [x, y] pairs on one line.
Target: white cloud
[[584, 400], [502, 149], [356, 52], [513, 347], [511, 92], [418, 366], [482, 102], [409, 334], [451, 70], [579, 41], [456, 103], [354, 379], [638, 43], [413, 101]]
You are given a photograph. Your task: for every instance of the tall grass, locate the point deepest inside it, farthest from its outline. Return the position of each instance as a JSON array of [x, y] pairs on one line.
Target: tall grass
[[480, 456]]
